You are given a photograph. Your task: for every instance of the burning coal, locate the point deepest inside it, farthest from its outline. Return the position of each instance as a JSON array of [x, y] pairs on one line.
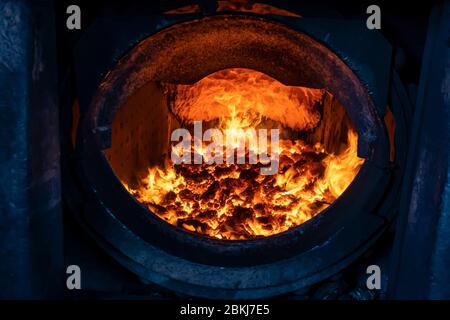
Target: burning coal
[[232, 200], [192, 149]]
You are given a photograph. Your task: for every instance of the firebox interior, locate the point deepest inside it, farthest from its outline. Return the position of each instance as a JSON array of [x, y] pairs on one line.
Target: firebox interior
[[316, 154]]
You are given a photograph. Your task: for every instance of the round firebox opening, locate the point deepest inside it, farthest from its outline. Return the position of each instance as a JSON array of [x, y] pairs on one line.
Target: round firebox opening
[[182, 55]]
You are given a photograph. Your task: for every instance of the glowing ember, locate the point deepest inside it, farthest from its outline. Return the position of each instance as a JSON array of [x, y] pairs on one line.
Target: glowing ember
[[234, 201]]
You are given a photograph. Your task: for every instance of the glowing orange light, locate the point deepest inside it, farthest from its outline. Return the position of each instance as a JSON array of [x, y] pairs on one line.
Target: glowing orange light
[[234, 201]]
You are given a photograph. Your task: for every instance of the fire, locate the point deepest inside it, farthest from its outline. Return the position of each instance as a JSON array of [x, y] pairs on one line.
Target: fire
[[242, 96], [234, 201]]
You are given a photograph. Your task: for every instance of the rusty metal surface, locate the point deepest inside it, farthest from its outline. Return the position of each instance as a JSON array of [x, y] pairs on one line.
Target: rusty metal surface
[[186, 52]]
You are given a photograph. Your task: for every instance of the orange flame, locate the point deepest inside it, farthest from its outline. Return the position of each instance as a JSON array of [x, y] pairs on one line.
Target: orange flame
[[234, 201]]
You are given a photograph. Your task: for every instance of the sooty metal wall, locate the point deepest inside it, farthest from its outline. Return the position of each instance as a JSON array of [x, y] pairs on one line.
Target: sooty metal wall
[[121, 59]]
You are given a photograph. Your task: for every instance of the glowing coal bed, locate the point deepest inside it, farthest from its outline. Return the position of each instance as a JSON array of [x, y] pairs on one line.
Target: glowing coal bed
[[316, 154]]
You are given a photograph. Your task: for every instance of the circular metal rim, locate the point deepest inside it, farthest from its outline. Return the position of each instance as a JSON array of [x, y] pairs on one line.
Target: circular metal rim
[[208, 250], [135, 262]]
